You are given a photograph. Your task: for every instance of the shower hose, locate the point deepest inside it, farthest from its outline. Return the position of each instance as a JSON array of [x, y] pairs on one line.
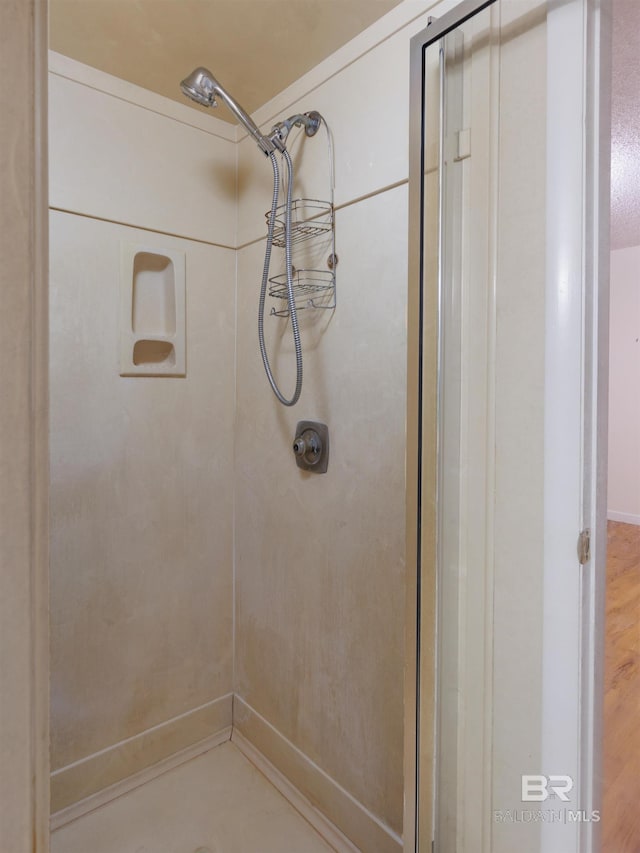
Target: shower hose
[[265, 278]]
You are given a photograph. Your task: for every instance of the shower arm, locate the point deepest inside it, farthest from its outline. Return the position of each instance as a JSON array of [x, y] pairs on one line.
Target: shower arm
[[279, 132], [265, 144]]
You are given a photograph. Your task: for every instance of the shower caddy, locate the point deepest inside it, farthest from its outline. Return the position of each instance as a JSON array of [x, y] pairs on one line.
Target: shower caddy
[[311, 219], [296, 221]]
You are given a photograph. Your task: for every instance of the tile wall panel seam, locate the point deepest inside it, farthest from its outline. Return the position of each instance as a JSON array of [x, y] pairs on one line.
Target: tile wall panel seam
[[380, 191], [150, 730], [141, 228]]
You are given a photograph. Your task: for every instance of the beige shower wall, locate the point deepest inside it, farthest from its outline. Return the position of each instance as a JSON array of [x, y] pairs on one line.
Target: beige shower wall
[[141, 468], [320, 560], [124, 154]]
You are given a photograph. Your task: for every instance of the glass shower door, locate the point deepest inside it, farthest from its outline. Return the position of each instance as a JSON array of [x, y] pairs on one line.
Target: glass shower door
[[503, 478]]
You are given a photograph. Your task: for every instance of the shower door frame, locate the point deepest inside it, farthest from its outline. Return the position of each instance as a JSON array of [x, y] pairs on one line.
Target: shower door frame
[[578, 34], [24, 650], [422, 466]]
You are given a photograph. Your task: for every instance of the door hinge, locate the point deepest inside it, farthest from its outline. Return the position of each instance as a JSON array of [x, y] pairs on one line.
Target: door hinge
[[584, 546]]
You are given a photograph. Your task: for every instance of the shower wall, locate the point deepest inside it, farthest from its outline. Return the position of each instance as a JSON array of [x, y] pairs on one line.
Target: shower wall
[[145, 471], [320, 560], [141, 468]]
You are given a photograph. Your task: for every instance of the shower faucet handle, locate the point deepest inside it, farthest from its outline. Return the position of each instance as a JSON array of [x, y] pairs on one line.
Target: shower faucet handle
[[308, 445], [311, 446]]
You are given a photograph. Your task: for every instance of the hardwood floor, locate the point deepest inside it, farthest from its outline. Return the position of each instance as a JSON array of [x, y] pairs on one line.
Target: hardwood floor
[[621, 770]]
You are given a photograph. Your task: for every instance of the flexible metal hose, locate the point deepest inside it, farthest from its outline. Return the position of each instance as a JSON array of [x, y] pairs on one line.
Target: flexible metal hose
[[265, 278]]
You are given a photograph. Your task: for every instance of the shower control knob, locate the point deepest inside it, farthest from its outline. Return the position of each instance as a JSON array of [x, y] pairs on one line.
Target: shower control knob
[[308, 446], [311, 446]]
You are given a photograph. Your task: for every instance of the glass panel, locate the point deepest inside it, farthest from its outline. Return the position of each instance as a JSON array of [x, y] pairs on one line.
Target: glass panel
[[486, 259]]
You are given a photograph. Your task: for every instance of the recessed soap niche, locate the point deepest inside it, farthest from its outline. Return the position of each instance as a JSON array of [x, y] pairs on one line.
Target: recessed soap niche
[[152, 312]]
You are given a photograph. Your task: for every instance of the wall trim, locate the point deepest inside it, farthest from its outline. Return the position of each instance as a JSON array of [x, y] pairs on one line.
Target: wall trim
[[101, 798], [70, 212], [624, 517], [40, 464], [108, 84], [24, 463], [318, 797], [320, 822], [117, 764]]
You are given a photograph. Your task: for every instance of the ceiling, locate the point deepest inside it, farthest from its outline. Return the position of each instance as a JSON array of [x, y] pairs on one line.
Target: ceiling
[[255, 48], [258, 47]]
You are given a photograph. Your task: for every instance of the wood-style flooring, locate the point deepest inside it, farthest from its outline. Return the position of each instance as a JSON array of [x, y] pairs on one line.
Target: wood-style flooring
[[621, 767]]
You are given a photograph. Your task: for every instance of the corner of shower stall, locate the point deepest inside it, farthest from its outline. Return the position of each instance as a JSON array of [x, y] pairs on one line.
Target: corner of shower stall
[[211, 601]]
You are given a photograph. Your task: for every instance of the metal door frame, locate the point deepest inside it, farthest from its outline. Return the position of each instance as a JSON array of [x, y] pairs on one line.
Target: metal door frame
[[584, 217]]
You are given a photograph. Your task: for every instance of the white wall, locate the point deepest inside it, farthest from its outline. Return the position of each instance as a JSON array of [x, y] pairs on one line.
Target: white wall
[[624, 387]]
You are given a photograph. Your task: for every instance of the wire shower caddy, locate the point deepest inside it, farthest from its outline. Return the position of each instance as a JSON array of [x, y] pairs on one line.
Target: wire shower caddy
[[311, 220]]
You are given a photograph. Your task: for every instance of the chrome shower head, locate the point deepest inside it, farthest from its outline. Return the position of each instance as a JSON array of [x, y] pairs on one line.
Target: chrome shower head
[[202, 87]]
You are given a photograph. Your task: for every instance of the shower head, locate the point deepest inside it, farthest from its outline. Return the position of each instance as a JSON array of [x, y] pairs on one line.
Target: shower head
[[202, 87]]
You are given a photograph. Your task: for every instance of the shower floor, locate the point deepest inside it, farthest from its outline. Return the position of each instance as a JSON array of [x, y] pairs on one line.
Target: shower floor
[[218, 802]]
